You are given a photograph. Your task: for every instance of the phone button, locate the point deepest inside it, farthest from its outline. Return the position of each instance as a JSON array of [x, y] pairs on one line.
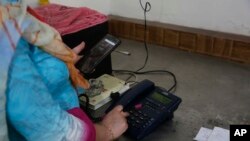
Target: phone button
[[138, 106]]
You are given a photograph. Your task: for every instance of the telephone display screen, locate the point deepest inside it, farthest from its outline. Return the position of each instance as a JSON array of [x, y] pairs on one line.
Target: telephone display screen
[[161, 98]]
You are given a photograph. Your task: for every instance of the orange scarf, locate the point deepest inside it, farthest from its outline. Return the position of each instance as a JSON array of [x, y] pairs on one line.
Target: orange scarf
[[38, 33]]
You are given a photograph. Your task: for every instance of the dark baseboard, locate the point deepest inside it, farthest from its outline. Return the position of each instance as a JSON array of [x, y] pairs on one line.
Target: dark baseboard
[[224, 45]]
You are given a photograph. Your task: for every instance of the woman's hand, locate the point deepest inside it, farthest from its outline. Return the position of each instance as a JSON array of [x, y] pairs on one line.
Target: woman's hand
[[77, 50], [113, 125]]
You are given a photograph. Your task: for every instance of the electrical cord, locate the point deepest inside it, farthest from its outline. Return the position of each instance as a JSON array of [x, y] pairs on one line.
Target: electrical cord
[[173, 87], [129, 73], [86, 107], [146, 8]]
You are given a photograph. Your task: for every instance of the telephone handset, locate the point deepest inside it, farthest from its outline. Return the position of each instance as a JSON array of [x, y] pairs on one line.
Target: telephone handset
[[148, 106]]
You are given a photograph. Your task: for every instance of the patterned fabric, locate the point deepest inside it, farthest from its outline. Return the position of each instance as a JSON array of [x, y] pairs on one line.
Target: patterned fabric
[[39, 34], [68, 20], [33, 61]]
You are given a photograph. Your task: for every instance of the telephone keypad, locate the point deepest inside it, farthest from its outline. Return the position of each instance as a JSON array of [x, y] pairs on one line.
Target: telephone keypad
[[140, 118], [137, 118]]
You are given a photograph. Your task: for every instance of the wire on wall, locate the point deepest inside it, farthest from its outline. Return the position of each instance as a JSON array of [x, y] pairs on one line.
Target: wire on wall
[[146, 8]]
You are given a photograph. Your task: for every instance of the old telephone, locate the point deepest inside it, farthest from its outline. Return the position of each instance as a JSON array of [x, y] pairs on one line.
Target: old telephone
[[148, 106]]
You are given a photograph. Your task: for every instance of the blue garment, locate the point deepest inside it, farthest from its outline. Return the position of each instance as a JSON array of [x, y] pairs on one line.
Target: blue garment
[[5, 55], [38, 94]]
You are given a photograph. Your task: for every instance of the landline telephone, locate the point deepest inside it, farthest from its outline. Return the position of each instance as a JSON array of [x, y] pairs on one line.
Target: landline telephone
[[148, 106]]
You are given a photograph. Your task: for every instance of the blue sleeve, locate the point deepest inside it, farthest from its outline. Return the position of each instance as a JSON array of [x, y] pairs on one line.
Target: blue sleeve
[[33, 109]]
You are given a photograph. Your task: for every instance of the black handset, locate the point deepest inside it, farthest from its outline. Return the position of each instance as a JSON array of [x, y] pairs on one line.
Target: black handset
[[133, 94], [148, 106]]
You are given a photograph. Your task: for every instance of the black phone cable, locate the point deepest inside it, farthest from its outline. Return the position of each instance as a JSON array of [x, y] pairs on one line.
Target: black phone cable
[[145, 9], [172, 88]]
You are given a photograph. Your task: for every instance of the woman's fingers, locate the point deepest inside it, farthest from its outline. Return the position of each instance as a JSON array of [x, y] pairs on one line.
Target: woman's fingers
[[119, 108], [125, 114], [78, 58], [79, 48]]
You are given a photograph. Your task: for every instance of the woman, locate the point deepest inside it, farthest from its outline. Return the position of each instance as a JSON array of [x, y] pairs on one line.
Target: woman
[[41, 98]]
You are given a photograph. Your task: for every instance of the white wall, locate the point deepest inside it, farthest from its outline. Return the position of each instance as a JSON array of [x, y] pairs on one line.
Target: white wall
[[232, 16], [32, 2]]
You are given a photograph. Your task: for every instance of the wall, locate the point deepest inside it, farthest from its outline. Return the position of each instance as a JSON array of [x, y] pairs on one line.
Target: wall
[[231, 16]]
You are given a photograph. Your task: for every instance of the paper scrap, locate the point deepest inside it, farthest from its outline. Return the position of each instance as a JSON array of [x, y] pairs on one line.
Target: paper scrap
[[219, 134], [203, 134]]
